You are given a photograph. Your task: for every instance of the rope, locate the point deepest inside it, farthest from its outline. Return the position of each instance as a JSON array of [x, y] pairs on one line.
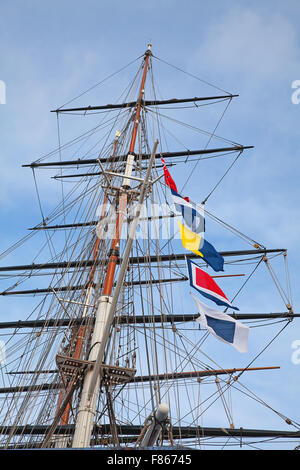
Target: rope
[[101, 82], [208, 142], [191, 75], [282, 294], [221, 179]]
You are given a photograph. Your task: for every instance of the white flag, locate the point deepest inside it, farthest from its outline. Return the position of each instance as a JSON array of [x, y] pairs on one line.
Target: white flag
[[223, 327]]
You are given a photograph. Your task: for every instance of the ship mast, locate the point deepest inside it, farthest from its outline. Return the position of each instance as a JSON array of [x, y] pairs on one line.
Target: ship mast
[[117, 305], [90, 389]]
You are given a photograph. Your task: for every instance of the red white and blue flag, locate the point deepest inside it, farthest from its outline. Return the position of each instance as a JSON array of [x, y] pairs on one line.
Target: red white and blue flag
[[205, 285], [223, 327]]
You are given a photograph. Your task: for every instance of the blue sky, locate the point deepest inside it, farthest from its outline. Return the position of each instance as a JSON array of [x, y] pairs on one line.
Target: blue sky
[[51, 51]]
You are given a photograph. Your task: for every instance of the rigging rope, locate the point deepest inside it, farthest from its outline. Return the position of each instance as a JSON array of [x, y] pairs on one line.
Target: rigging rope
[[101, 82], [208, 142], [191, 75], [221, 179]]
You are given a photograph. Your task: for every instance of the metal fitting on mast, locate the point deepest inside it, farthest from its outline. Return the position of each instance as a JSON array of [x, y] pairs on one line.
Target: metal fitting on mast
[[148, 51], [156, 426]]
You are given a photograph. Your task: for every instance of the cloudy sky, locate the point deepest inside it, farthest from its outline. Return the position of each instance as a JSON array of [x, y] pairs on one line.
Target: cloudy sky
[[51, 51]]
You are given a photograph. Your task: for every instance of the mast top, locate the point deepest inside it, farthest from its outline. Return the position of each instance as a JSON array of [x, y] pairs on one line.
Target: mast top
[[148, 51]]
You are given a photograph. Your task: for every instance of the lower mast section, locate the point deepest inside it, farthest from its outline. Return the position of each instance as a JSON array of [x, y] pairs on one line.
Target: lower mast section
[[87, 408]]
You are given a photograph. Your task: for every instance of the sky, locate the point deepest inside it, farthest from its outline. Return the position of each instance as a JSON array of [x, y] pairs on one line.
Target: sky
[[51, 51]]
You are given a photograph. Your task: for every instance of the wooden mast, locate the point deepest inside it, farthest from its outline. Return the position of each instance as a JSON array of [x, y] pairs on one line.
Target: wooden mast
[[82, 329], [113, 259], [87, 408]]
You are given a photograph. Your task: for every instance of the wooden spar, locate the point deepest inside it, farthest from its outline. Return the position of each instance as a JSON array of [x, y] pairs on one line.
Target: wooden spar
[[95, 222], [142, 378], [143, 156], [182, 432], [141, 282], [85, 417], [99, 173], [195, 374], [136, 259], [44, 291], [139, 319], [55, 227], [132, 104]]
